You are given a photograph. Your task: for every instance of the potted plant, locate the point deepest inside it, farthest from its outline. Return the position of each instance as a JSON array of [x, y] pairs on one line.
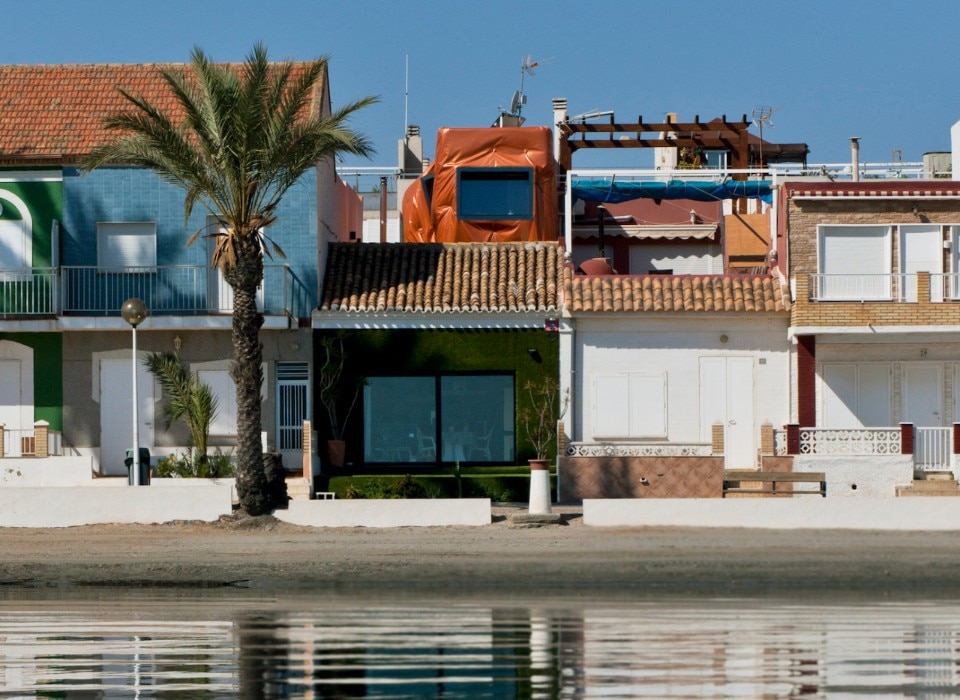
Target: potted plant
[[338, 396], [540, 417]]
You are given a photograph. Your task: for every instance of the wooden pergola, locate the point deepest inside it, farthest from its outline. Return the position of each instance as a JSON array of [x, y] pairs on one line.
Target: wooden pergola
[[717, 134]]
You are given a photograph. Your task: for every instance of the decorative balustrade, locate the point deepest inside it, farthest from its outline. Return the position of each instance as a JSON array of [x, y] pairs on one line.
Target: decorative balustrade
[[612, 449], [865, 441], [780, 443]]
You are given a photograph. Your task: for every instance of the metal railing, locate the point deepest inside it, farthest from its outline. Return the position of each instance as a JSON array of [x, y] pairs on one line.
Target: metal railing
[[28, 292], [174, 290], [888, 287], [933, 448], [844, 171], [22, 442], [852, 441], [944, 286]]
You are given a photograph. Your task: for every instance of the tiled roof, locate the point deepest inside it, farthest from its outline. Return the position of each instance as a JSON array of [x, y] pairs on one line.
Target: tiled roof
[[653, 293], [443, 278], [56, 112]]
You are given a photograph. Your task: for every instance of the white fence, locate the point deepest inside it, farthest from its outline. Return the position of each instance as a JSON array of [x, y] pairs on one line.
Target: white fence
[[615, 449], [932, 449]]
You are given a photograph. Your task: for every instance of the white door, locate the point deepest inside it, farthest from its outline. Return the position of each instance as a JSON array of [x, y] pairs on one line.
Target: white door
[[921, 249], [923, 394], [726, 397], [13, 245], [116, 413], [10, 408]]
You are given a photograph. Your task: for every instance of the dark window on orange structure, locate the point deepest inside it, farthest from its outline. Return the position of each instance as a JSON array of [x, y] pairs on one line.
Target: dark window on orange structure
[[495, 193]]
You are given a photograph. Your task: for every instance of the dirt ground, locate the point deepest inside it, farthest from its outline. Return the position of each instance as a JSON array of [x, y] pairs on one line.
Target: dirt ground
[[265, 555]]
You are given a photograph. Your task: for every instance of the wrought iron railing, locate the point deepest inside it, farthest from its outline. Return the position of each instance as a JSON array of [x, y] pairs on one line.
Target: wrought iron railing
[[889, 287], [615, 449]]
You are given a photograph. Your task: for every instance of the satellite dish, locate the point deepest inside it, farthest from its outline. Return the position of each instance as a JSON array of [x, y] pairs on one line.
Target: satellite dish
[[516, 102]]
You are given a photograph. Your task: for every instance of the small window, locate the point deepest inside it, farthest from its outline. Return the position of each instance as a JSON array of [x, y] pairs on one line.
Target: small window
[[495, 193], [630, 406], [121, 245]]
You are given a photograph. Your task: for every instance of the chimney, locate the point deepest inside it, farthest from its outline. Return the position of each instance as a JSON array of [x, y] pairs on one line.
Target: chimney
[[411, 151], [559, 117], [855, 157]]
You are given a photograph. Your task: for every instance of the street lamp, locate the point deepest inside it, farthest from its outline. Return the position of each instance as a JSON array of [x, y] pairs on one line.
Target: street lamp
[[134, 311]]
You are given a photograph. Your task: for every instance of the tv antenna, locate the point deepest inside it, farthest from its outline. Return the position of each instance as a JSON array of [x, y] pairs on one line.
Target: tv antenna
[[763, 115]]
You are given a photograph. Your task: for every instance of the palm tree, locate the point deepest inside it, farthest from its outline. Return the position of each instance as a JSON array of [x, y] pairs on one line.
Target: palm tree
[[188, 399], [240, 138]]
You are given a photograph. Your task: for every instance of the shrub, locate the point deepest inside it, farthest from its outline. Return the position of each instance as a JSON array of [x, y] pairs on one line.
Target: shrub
[[193, 465]]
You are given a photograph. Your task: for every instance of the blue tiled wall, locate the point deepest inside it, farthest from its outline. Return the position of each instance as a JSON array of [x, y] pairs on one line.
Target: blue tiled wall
[[135, 194]]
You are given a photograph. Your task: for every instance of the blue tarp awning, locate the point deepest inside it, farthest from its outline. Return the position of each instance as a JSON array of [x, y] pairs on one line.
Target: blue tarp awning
[[608, 190]]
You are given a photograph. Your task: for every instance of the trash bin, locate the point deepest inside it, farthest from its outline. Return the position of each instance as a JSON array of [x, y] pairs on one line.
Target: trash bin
[[144, 466]]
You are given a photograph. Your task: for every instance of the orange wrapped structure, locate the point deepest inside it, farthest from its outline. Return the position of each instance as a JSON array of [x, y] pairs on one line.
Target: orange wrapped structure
[[485, 185]]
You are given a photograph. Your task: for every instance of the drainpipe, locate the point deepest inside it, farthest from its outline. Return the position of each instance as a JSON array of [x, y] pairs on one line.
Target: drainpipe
[[855, 156], [383, 209], [602, 212]]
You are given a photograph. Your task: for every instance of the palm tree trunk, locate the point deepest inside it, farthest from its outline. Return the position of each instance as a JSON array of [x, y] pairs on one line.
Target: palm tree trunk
[[247, 373]]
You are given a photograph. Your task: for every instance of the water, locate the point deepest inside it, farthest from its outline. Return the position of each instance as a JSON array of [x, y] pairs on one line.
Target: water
[[123, 645]]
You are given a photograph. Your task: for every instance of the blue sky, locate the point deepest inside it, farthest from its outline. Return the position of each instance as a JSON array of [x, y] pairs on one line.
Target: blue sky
[[879, 69]]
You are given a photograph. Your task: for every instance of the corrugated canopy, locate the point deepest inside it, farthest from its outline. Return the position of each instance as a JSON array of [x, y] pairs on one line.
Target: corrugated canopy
[[612, 191], [647, 232]]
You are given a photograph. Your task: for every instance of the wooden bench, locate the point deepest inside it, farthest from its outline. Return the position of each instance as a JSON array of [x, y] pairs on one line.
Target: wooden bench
[[738, 476]]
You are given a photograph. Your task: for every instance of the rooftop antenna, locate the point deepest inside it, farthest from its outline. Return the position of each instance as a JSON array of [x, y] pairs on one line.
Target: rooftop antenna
[[406, 90], [762, 115]]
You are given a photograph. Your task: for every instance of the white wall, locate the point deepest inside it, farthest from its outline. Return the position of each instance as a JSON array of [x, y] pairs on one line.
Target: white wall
[[50, 471], [432, 512], [798, 513], [871, 476], [682, 259], [674, 346]]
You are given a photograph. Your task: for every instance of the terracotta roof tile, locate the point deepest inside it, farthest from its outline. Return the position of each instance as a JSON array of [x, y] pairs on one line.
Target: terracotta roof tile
[[672, 293], [443, 278], [56, 112]]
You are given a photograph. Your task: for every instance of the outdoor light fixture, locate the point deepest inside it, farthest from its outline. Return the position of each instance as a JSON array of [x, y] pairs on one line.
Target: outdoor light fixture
[[177, 342], [534, 355], [916, 209], [134, 311]]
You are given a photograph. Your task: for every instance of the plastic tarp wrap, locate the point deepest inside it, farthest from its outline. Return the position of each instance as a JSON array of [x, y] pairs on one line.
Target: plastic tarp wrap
[[608, 190], [436, 219]]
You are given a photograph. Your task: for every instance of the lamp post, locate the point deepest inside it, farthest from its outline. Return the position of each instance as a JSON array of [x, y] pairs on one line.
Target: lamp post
[[134, 311]]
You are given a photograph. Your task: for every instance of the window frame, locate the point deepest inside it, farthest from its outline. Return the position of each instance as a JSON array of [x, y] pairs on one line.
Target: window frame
[[107, 230], [502, 174]]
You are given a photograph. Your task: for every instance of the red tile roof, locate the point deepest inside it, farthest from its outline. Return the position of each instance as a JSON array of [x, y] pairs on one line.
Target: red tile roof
[[672, 293], [443, 278], [55, 112]]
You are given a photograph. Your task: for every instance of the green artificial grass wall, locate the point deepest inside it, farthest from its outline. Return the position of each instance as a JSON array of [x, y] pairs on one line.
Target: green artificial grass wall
[[529, 355]]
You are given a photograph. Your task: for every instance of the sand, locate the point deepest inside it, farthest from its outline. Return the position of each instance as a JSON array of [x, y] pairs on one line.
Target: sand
[[264, 555]]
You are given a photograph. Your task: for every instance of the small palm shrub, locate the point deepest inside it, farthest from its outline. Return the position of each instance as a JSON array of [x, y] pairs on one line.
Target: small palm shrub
[[193, 465]]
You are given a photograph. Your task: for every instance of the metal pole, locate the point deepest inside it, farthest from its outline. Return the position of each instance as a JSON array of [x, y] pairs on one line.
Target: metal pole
[[136, 431]]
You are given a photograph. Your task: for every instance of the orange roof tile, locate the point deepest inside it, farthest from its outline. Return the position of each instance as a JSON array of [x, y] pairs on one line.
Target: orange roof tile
[[55, 112], [672, 293], [443, 278]]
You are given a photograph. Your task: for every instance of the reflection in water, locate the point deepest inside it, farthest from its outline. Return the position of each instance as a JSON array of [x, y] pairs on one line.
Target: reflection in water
[[323, 648]]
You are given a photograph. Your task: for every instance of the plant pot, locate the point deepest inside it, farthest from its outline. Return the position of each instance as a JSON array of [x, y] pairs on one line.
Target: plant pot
[[336, 453], [539, 464]]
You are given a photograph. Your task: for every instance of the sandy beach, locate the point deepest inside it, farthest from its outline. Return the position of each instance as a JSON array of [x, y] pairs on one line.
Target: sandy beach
[[264, 555]]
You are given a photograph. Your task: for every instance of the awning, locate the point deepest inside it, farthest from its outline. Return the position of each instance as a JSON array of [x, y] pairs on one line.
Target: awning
[[613, 191], [689, 232]]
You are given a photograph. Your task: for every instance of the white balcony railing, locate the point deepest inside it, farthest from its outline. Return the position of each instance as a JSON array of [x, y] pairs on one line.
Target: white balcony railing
[[28, 292], [889, 287], [932, 448], [944, 286]]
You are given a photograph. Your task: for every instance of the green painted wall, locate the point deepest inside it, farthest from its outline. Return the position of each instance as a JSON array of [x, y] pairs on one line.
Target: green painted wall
[[47, 374], [411, 352], [44, 199]]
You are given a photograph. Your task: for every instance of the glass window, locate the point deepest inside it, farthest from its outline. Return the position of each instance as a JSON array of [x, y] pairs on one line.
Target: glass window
[[400, 419], [473, 422], [495, 193], [477, 418]]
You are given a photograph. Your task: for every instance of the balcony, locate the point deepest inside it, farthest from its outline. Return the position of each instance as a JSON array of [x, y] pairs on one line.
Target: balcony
[[175, 290], [28, 293], [862, 288]]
